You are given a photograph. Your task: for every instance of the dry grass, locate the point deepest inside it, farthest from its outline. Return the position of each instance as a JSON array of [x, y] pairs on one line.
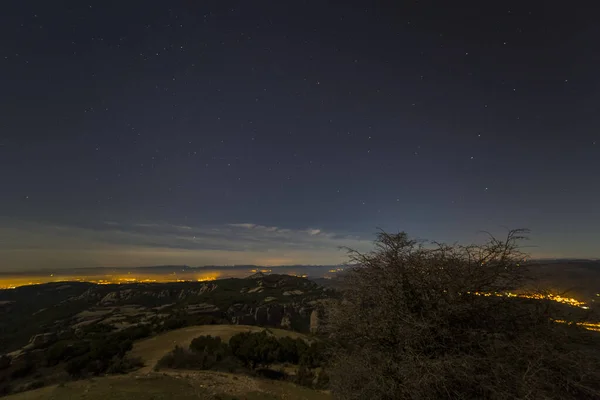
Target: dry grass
[[153, 349], [193, 385]]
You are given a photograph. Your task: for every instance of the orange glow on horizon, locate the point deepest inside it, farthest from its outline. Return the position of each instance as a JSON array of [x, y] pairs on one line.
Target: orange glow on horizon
[[12, 282]]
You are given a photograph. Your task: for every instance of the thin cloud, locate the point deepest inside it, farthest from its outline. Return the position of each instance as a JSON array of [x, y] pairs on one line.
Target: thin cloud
[[27, 245], [247, 226]]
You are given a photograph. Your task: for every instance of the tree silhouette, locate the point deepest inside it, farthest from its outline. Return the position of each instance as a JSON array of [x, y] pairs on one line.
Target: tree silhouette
[[420, 320]]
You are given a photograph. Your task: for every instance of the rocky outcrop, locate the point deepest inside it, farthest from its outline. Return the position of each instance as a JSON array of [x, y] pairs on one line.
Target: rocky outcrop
[[319, 316], [315, 322], [113, 297], [269, 299], [90, 294], [271, 314], [129, 294], [293, 293], [286, 322], [202, 308], [40, 340]]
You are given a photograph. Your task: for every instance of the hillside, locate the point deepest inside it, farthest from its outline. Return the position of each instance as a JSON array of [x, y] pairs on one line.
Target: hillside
[[53, 332], [578, 278], [267, 300], [203, 385], [152, 349]]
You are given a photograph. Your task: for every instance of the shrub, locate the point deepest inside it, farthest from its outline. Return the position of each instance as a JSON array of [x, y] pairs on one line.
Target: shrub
[[410, 326], [5, 361], [290, 350], [173, 323], [133, 333], [5, 388], [23, 370], [182, 358], [305, 376], [255, 349], [36, 384], [206, 343], [314, 355], [64, 351], [322, 380], [98, 355], [124, 365]]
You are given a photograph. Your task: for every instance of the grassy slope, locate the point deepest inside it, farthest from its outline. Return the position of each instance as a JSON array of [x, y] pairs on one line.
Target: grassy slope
[[153, 349], [155, 386]]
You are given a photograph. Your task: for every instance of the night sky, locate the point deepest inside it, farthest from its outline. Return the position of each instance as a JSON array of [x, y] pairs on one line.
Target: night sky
[[273, 132]]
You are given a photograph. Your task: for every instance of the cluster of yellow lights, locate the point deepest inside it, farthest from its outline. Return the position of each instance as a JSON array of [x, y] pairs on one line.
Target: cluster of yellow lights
[[264, 270], [553, 297], [107, 280], [208, 278], [590, 326]]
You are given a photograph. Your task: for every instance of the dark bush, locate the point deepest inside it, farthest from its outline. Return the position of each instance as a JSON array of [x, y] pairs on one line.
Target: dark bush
[[5, 361], [36, 385], [314, 355], [5, 389], [414, 324], [255, 349], [76, 366], [101, 354], [322, 380], [206, 343], [134, 333], [124, 365], [182, 358], [305, 376], [64, 351], [289, 350], [271, 374], [173, 323], [22, 370]]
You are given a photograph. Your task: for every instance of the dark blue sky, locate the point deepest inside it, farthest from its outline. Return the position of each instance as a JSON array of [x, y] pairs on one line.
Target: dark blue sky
[[287, 129]]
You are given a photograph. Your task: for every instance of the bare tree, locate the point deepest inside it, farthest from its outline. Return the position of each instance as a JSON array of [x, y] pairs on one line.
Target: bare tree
[[419, 320]]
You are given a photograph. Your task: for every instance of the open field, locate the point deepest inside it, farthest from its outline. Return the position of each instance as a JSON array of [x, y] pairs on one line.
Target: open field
[[203, 385], [153, 349]]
